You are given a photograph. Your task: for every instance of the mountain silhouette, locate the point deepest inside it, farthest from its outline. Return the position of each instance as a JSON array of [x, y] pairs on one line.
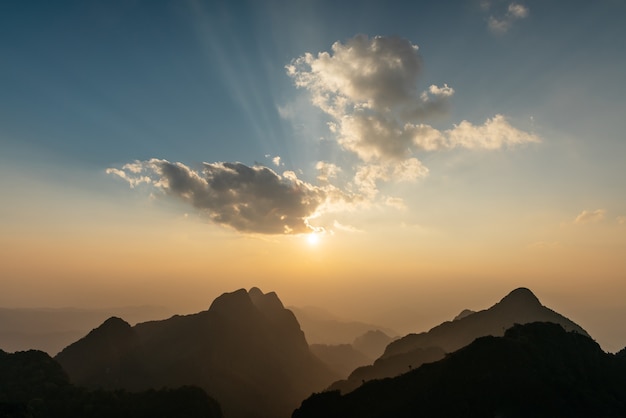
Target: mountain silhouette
[[247, 351], [534, 370], [518, 307], [33, 385]]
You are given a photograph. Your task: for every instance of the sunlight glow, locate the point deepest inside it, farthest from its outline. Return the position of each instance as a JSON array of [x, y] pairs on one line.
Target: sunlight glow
[[313, 238]]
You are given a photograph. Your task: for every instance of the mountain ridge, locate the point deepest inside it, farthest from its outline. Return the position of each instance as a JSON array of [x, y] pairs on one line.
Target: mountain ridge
[[413, 350], [247, 351], [518, 306]]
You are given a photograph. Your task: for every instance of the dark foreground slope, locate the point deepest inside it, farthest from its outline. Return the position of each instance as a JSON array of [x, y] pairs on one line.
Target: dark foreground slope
[[534, 370], [520, 306], [34, 385], [247, 351]]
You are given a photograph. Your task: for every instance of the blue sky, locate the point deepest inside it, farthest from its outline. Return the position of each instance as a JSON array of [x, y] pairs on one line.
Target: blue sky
[[498, 159], [105, 82]]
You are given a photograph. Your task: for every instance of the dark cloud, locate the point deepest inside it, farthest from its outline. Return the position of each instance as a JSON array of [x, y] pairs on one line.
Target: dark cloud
[[249, 199]]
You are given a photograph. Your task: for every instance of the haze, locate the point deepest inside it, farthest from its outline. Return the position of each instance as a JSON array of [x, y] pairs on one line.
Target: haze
[[390, 162]]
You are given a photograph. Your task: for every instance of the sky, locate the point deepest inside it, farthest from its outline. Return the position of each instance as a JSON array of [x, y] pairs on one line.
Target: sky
[[391, 161]]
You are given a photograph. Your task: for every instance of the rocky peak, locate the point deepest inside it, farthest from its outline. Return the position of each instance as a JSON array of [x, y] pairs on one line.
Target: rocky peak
[[234, 304], [268, 303], [520, 297]]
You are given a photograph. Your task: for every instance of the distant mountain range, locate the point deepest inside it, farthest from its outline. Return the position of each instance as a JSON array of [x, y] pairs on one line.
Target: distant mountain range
[[344, 358], [247, 351], [518, 307], [322, 327], [534, 370], [52, 329]]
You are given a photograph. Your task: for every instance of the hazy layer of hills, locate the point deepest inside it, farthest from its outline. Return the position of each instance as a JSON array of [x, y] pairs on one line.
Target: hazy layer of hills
[[247, 351], [520, 306], [322, 327], [534, 370], [344, 358], [52, 329], [33, 385]]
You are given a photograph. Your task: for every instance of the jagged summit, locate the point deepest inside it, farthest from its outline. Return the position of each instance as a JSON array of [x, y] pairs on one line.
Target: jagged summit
[[242, 302], [463, 314], [268, 303], [247, 351], [114, 322], [255, 292], [237, 302], [521, 296], [520, 306]]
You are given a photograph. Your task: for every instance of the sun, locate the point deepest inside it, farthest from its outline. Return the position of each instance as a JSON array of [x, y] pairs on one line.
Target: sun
[[313, 238]]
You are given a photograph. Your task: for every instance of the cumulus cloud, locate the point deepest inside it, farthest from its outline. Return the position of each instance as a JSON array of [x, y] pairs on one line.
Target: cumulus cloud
[[369, 88], [367, 175], [327, 171], [502, 22], [249, 199], [587, 216]]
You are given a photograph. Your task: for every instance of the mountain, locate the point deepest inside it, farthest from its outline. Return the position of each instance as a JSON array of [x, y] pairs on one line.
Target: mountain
[[340, 358], [463, 314], [536, 369], [322, 327], [52, 329], [518, 307], [372, 343], [33, 385], [344, 358], [247, 351]]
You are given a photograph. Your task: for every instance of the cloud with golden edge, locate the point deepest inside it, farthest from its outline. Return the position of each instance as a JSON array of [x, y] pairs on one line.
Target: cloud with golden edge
[[249, 199], [590, 216]]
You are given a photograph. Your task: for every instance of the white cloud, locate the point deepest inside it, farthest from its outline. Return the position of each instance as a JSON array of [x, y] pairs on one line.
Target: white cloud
[[367, 175], [327, 171], [347, 228], [586, 216], [502, 22], [369, 87], [276, 161], [517, 11], [132, 180], [493, 134], [498, 25]]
